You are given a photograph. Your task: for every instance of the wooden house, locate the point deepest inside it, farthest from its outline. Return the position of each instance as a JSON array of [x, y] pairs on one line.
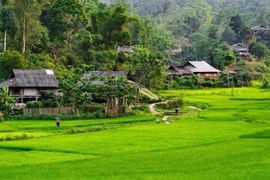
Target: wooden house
[[114, 105], [26, 85], [241, 50], [177, 70], [259, 28], [200, 68]]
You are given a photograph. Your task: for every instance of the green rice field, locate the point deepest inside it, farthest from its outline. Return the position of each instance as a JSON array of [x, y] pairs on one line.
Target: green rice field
[[228, 139]]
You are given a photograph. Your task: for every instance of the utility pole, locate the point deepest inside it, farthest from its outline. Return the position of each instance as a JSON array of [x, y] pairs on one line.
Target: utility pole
[[171, 87]]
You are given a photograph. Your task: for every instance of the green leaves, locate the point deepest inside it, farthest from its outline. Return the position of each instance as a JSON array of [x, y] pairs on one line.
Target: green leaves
[[65, 16]]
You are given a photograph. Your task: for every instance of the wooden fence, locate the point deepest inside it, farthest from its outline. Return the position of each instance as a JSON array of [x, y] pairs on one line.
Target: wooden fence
[[38, 111]]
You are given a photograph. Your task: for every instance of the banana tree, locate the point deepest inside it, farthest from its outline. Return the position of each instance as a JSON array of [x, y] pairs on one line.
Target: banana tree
[[5, 100]]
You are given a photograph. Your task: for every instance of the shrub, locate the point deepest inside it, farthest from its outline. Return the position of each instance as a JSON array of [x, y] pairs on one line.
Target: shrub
[[31, 104], [142, 107]]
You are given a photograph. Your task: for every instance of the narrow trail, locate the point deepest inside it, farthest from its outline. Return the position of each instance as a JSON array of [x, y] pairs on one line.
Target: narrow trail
[[153, 111], [193, 107]]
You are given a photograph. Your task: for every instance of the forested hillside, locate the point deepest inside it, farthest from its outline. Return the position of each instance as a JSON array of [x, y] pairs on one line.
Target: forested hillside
[[79, 36], [205, 29], [75, 36]]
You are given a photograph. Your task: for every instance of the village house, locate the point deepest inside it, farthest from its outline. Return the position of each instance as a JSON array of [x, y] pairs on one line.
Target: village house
[[129, 49], [241, 50], [114, 105], [200, 68], [26, 85], [259, 28]]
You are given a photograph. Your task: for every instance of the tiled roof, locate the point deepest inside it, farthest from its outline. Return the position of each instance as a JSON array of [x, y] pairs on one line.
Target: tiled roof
[[178, 70], [106, 74], [239, 48], [200, 67], [259, 28], [31, 78]]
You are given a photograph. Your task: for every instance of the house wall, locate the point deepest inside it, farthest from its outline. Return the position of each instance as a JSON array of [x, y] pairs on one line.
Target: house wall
[[208, 74], [30, 92]]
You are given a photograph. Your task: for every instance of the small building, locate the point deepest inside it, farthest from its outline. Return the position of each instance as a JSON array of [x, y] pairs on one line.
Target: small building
[[178, 70], [241, 50], [26, 85], [106, 74], [129, 49], [259, 28], [200, 68], [114, 105]]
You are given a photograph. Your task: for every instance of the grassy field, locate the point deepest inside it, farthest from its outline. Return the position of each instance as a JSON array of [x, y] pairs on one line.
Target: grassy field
[[230, 139]]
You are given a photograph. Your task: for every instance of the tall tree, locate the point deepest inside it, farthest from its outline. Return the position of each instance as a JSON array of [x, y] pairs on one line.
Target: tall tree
[[27, 12], [9, 22], [237, 24], [65, 19]]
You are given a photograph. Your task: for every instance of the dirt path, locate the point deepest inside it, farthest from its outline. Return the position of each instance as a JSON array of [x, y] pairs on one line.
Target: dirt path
[[152, 109], [193, 107]]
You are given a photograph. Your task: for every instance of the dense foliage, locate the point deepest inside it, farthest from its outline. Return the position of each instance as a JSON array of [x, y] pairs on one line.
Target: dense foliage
[[64, 35]]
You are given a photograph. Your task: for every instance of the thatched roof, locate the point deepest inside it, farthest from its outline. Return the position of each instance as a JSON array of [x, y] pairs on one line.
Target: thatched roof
[[200, 67], [31, 78]]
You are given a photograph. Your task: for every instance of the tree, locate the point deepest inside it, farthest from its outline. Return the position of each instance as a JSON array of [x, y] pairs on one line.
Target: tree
[[228, 36], [213, 32], [27, 13], [222, 56], [247, 36], [259, 49], [237, 25], [265, 79], [111, 25], [10, 60], [5, 100], [9, 22], [66, 17]]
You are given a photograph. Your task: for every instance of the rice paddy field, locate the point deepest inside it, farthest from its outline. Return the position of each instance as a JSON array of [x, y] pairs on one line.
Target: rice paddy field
[[228, 139]]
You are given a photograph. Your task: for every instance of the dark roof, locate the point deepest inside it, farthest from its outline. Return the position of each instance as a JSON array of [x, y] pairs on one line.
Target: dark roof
[[178, 70], [200, 67], [106, 74], [259, 28], [31, 78], [239, 47]]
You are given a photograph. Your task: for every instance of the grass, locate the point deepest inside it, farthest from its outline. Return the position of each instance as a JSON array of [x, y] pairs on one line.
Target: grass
[[227, 140]]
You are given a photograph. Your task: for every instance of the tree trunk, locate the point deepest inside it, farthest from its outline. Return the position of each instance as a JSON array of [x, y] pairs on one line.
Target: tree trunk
[[5, 41], [24, 37]]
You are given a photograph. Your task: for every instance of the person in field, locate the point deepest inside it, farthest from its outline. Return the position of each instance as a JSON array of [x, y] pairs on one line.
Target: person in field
[[176, 110], [57, 121]]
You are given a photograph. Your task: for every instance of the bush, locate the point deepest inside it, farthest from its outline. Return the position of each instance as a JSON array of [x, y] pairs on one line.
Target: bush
[[31, 104], [61, 116], [142, 107]]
